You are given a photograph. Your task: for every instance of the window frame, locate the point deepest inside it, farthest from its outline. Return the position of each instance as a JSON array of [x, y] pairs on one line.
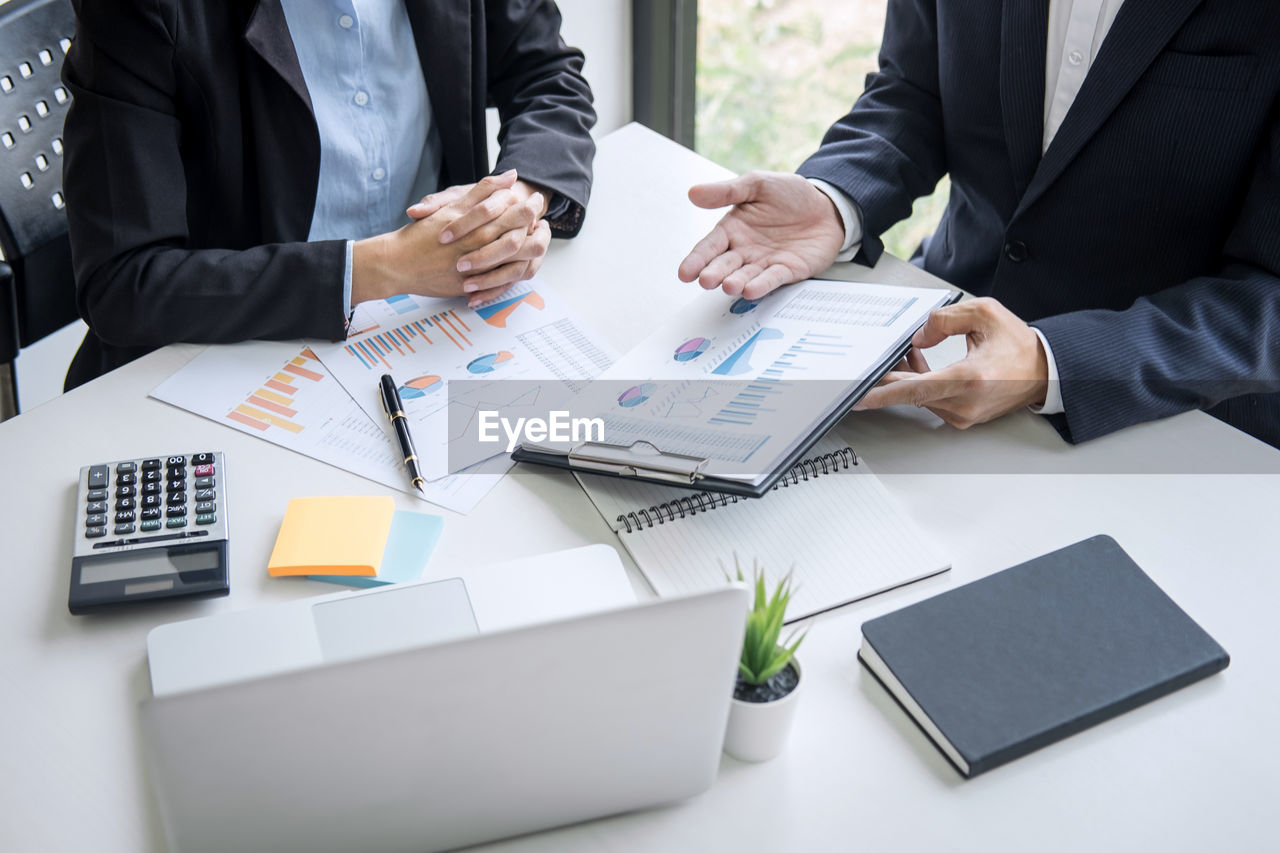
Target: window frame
[[664, 74]]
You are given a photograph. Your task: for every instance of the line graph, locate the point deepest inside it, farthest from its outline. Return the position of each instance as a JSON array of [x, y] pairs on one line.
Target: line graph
[[464, 415]]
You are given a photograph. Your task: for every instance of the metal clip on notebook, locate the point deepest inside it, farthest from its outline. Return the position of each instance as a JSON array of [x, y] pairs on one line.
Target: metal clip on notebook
[[636, 459]]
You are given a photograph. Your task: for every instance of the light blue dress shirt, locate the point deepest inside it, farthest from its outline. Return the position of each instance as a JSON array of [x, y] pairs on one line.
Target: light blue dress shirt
[[379, 146]]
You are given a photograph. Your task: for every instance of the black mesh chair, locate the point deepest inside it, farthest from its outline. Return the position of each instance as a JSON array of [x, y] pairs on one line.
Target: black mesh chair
[[37, 288]]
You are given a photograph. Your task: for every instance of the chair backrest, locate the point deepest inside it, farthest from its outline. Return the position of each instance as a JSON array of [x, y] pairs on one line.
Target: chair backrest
[[34, 37]]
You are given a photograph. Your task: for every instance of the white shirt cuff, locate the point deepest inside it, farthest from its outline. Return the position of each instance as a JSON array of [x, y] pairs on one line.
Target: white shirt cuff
[[346, 280], [1053, 397], [850, 216]]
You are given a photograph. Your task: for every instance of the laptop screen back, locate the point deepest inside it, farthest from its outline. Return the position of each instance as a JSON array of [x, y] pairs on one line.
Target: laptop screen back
[[393, 619], [454, 743]]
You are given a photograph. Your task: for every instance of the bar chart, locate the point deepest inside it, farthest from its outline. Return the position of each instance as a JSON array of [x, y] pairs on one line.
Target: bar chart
[[272, 404], [379, 351]]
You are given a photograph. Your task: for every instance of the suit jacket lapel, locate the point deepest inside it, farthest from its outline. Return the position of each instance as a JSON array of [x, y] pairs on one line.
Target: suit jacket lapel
[[268, 34], [286, 138], [442, 30], [1022, 56], [1139, 33]]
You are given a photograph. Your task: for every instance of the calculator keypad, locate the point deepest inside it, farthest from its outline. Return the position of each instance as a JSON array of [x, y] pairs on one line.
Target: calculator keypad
[[151, 496]]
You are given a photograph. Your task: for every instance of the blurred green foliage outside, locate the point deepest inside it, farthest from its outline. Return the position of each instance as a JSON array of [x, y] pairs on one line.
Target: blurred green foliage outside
[[773, 75]]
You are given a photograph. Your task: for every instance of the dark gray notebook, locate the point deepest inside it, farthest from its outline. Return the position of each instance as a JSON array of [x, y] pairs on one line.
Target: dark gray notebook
[[1017, 660]]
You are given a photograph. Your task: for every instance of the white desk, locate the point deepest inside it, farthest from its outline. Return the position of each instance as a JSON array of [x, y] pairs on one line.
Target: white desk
[[1194, 771]]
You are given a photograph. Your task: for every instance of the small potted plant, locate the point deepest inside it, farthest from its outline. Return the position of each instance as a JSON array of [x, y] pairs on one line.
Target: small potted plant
[[764, 697]]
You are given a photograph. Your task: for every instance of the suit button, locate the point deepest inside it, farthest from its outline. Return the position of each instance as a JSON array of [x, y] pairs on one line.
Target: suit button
[[1016, 251]]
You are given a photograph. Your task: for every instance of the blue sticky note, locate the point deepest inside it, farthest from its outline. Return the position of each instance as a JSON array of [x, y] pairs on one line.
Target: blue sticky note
[[412, 538]]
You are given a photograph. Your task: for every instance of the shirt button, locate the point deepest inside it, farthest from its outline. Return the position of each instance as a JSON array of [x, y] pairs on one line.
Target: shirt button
[[1075, 57], [1016, 251], [379, 173], [346, 22], [362, 98]]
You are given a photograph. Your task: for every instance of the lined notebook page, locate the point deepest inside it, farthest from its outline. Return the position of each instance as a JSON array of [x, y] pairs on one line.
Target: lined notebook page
[[843, 532]]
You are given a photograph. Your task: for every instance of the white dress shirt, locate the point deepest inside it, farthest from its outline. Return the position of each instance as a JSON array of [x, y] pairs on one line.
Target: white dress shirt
[[1077, 29]]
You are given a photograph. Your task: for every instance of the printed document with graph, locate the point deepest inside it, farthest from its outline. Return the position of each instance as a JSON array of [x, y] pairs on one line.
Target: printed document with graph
[[280, 392], [729, 393], [321, 399], [428, 345]]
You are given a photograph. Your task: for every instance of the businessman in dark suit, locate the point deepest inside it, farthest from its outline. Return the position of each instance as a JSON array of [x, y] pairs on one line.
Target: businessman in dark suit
[[241, 169], [1115, 170]]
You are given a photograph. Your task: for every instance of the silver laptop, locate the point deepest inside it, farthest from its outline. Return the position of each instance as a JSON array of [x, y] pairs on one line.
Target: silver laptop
[[447, 740]]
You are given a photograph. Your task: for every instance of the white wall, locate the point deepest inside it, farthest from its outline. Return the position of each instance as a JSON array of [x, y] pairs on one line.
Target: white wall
[[602, 30]]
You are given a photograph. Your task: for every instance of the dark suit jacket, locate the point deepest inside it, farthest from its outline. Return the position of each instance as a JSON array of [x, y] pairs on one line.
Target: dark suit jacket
[[192, 158], [1144, 244]]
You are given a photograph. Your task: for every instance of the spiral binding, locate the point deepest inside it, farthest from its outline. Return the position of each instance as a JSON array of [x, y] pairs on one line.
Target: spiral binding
[[806, 469], [827, 463]]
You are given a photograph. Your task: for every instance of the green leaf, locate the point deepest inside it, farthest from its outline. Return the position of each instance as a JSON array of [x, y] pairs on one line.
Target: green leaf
[[791, 649], [763, 656], [782, 656], [774, 668]]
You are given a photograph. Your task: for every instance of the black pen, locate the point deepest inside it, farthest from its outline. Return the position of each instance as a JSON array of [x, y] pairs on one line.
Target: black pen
[[395, 411]]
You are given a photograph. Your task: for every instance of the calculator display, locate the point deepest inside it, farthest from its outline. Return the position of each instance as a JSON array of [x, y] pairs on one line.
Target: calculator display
[[146, 564]]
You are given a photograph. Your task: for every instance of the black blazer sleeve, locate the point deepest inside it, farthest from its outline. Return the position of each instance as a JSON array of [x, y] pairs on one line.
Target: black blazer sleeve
[[139, 283], [889, 149], [535, 80]]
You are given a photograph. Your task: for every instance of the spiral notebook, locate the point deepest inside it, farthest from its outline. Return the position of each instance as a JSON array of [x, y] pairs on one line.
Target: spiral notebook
[[829, 517]]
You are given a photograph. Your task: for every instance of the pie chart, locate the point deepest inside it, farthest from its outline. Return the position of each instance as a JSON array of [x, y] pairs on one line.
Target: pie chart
[[635, 395], [691, 349], [489, 363], [743, 306], [420, 386]]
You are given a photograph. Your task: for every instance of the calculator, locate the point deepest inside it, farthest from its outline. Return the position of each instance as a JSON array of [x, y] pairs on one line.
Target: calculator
[[150, 529]]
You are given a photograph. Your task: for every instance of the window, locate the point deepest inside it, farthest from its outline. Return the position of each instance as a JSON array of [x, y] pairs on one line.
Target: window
[[773, 75]]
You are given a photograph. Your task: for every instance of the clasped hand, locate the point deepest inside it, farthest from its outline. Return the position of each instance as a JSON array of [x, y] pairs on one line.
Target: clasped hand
[[475, 239]]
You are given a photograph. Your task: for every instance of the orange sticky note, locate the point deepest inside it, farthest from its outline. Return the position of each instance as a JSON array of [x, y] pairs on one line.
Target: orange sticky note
[[332, 536]]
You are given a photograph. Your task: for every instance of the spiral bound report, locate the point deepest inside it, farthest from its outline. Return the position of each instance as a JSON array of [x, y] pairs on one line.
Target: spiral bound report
[[687, 505], [829, 520]]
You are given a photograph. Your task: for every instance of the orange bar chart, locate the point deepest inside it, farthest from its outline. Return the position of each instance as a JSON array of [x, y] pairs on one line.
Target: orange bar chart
[[272, 404]]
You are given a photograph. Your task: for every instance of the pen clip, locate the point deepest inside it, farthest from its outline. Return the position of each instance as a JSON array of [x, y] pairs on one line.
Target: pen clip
[[390, 397]]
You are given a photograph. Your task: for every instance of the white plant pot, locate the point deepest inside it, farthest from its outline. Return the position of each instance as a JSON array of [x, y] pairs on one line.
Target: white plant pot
[[758, 730]]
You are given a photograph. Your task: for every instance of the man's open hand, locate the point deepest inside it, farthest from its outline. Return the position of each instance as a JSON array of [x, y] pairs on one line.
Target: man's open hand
[[1006, 368], [781, 229]]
